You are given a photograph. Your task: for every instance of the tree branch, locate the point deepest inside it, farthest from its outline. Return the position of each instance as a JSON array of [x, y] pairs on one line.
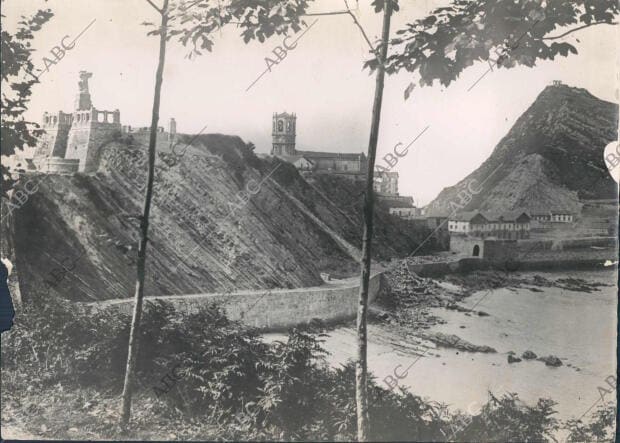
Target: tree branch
[[326, 13], [156, 8], [357, 23], [578, 29]]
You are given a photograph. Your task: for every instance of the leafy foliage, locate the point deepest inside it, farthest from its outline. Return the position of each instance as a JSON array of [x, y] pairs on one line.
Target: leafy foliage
[[50, 342], [242, 386], [194, 23], [379, 5], [505, 33], [509, 419], [17, 81], [600, 427]]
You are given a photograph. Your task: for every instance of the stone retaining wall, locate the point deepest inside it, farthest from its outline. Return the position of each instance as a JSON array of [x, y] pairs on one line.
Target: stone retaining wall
[[525, 250], [529, 257], [270, 309]]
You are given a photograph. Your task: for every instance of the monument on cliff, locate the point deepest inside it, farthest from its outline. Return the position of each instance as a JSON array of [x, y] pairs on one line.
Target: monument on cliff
[[72, 141]]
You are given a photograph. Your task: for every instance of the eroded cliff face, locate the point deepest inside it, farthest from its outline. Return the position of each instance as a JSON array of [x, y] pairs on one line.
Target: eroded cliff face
[[218, 222], [221, 219]]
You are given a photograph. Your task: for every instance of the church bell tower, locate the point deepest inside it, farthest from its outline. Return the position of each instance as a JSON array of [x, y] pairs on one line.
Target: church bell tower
[[284, 129]]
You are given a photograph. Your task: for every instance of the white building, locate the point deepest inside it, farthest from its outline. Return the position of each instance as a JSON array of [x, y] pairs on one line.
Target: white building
[[553, 216], [407, 213], [512, 225]]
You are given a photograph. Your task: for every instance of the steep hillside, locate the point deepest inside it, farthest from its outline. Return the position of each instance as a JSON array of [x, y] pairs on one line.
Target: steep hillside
[[393, 237], [551, 158], [221, 219]]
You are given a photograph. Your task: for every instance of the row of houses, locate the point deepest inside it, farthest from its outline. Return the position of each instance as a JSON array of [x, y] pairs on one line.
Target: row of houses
[[512, 225], [473, 232], [458, 223], [553, 217]]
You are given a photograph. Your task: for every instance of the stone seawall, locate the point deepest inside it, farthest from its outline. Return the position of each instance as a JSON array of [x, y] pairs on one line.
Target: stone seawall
[[497, 250], [530, 256], [528, 250], [269, 309]]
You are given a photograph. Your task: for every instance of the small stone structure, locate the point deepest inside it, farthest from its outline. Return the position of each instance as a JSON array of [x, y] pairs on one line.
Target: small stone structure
[[470, 246], [172, 129]]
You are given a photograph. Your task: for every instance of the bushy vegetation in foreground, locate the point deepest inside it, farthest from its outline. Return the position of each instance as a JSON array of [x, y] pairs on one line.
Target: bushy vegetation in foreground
[[207, 368]]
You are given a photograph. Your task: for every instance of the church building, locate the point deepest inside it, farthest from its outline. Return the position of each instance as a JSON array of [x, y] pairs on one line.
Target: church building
[[284, 134]]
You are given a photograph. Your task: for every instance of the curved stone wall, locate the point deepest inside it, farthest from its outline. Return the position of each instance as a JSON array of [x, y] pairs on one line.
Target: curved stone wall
[[270, 309]]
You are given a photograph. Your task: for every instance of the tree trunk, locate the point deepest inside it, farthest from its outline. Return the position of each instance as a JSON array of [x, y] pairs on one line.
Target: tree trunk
[[361, 367], [144, 227]]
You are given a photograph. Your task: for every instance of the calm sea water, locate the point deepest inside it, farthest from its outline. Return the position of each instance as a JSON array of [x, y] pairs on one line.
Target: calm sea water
[[577, 327]]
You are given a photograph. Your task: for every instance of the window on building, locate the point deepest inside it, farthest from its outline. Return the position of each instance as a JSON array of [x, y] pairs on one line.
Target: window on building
[[280, 125]]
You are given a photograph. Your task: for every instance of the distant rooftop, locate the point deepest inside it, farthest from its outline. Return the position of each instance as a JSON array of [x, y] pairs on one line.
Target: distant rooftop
[[338, 155], [508, 216]]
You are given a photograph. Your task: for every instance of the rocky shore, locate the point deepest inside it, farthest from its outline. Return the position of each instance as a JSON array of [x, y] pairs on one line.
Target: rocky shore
[[407, 299]]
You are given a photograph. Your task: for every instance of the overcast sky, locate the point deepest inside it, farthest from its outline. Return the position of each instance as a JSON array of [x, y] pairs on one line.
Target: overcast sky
[[321, 80]]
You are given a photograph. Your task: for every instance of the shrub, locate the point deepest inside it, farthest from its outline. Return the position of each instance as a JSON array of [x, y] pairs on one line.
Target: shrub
[[601, 427], [509, 419], [54, 341], [245, 388]]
